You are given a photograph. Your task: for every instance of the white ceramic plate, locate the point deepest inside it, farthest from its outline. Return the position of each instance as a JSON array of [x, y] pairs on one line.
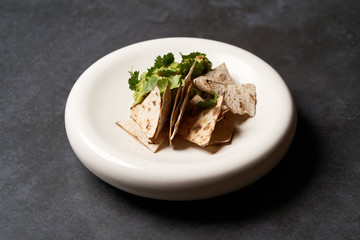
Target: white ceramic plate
[[101, 96]]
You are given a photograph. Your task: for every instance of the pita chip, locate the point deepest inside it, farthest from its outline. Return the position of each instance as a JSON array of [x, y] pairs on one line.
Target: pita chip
[[219, 74], [181, 113], [180, 102], [240, 99], [224, 129], [134, 129], [165, 111], [152, 113], [198, 124], [224, 110]]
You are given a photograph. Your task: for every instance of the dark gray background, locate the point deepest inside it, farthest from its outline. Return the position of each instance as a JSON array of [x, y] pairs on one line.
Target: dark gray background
[[46, 193]]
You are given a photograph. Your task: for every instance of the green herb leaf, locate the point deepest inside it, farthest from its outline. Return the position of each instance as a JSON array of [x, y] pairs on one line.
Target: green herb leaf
[[164, 61], [209, 102], [133, 80], [192, 55], [150, 71]]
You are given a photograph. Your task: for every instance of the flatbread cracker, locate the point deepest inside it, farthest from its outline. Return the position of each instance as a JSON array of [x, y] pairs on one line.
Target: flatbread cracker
[[134, 129], [181, 95], [147, 113], [224, 129], [224, 110], [198, 124], [240, 99], [165, 111], [181, 113], [218, 74]]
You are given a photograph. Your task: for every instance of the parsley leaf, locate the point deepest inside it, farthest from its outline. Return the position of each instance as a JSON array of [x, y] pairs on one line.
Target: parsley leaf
[[133, 80], [208, 103]]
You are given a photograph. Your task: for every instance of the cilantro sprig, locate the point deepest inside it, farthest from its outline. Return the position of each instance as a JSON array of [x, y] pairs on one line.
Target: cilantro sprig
[[164, 61], [133, 80]]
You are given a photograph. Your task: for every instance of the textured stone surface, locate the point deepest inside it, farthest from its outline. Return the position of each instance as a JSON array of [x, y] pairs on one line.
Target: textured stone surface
[[46, 193]]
